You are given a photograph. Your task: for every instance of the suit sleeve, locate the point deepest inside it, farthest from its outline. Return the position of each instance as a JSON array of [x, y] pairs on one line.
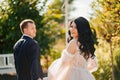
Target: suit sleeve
[[36, 69]]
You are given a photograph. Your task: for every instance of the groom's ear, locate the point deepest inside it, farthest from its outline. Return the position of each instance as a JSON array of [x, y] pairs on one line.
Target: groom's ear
[[25, 31]]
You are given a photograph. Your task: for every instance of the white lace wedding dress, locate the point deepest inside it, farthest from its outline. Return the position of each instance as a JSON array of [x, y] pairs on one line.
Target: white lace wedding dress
[[72, 67]]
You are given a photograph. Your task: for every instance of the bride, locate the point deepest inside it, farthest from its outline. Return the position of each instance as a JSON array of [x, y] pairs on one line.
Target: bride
[[78, 59]]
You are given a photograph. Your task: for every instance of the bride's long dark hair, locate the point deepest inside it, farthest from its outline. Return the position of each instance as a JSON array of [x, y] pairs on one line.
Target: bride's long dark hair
[[84, 37]]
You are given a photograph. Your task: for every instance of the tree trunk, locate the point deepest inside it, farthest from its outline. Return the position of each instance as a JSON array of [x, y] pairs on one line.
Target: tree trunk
[[112, 65]]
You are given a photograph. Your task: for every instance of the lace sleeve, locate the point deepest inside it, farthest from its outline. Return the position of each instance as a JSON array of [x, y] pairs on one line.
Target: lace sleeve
[[92, 64], [66, 56]]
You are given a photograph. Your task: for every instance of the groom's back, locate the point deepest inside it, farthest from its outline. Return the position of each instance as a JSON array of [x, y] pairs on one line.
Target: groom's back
[[22, 62]]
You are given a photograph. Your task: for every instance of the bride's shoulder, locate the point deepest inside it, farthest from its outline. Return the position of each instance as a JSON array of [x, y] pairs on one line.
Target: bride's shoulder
[[72, 46], [73, 41]]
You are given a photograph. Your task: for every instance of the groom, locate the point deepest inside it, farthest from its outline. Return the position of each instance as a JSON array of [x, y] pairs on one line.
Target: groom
[[27, 53]]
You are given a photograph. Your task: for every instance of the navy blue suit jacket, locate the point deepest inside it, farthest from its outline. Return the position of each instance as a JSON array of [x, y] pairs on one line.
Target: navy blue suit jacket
[[27, 59]]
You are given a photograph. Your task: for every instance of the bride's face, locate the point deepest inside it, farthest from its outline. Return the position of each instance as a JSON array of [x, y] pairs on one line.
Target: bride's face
[[73, 30]]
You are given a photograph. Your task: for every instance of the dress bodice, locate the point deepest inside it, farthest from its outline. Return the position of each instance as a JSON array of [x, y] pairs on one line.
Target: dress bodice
[[77, 60]]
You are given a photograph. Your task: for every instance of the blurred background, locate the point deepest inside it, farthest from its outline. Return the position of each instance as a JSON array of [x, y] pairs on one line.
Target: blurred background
[[52, 20]]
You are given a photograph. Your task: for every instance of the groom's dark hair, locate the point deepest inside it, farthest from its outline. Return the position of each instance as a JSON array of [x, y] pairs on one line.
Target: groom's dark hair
[[24, 24]]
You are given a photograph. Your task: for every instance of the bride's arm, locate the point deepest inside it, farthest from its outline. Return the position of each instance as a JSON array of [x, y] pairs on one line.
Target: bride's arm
[[92, 64], [72, 47], [70, 50]]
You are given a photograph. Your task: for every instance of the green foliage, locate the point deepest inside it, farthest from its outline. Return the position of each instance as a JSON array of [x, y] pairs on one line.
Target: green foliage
[[105, 20], [117, 62], [54, 18], [13, 12], [54, 22], [54, 11], [104, 62], [107, 25]]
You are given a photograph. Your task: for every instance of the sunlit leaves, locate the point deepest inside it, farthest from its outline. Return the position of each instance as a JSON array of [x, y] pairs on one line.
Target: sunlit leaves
[[106, 22], [13, 12]]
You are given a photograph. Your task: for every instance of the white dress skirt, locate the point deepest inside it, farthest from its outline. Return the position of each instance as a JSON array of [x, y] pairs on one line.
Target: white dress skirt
[[72, 67]]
